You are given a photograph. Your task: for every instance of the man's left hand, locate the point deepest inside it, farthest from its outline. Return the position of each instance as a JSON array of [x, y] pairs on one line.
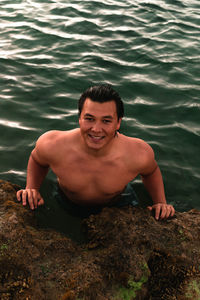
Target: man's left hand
[[162, 210]]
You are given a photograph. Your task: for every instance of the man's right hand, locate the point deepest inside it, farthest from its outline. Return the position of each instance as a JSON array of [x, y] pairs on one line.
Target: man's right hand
[[30, 196]]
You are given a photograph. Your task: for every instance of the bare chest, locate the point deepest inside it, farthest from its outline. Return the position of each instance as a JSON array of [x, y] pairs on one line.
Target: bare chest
[[92, 179]]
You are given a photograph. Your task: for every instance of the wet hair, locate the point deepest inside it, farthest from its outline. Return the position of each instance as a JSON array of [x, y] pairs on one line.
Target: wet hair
[[102, 93]]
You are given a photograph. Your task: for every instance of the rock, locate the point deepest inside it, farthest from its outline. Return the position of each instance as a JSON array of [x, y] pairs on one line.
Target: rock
[[127, 255]]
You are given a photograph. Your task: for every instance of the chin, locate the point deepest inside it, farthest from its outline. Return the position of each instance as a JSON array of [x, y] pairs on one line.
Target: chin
[[94, 146]]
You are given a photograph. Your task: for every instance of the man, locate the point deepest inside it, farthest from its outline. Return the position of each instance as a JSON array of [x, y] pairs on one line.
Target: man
[[95, 163]]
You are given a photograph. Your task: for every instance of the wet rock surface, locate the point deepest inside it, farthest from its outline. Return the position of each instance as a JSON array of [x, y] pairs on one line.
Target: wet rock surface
[[127, 255]]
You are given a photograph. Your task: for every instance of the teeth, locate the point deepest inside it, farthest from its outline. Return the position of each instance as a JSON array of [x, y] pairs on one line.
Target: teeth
[[96, 137]]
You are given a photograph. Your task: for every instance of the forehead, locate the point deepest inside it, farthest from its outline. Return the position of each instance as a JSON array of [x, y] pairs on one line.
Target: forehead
[[97, 108]]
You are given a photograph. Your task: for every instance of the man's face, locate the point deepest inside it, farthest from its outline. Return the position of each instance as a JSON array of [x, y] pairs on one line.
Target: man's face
[[98, 123]]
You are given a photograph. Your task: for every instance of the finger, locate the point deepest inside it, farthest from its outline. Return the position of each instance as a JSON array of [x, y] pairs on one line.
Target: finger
[[30, 199], [157, 211], [168, 211], [41, 201], [172, 212], [24, 197], [149, 207], [19, 193], [163, 212], [35, 198]]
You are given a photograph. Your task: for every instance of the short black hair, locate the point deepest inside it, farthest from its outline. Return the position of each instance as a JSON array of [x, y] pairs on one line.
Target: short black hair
[[102, 93]]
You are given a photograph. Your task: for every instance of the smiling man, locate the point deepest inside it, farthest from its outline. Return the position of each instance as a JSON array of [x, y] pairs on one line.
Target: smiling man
[[94, 164]]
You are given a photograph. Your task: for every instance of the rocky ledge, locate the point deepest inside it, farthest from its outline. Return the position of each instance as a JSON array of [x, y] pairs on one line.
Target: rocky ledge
[[128, 255]]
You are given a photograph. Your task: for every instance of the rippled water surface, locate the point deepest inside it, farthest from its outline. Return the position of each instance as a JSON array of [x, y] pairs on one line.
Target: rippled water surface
[[50, 51]]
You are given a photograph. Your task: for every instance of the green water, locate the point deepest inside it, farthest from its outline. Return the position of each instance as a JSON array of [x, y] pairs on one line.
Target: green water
[[50, 51]]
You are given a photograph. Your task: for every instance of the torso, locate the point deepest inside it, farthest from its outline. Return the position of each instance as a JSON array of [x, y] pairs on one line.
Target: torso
[[94, 183], [88, 180]]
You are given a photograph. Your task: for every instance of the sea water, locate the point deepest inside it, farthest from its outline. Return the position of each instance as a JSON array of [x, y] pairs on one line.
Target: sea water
[[52, 50]]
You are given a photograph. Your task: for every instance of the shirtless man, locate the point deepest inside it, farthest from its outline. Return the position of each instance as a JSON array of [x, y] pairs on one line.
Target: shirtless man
[[95, 162]]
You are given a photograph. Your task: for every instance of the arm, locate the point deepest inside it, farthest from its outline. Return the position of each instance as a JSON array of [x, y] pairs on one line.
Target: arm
[[35, 173], [37, 169], [153, 182], [154, 185]]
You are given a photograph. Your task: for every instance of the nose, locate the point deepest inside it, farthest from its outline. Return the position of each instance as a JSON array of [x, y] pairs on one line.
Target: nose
[[96, 127]]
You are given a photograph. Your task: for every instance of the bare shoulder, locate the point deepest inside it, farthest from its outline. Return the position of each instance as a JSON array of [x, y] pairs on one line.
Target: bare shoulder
[[139, 153], [136, 144], [51, 138], [50, 144]]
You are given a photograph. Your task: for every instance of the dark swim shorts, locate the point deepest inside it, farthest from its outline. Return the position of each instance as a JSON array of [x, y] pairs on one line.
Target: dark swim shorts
[[128, 197]]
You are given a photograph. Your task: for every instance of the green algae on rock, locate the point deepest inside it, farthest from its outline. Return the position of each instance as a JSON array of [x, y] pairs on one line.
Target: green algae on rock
[[127, 255]]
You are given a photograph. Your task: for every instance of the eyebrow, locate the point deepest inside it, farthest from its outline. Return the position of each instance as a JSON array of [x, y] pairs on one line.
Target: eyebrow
[[88, 115], [104, 117], [108, 117]]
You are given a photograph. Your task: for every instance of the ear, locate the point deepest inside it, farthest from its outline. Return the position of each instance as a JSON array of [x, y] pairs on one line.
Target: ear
[[119, 123], [79, 119]]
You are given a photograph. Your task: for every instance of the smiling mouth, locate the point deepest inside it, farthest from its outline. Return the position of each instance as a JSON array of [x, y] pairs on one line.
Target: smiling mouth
[[96, 138]]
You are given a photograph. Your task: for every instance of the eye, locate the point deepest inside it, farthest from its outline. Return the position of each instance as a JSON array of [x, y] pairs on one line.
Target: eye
[[106, 121], [89, 119]]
